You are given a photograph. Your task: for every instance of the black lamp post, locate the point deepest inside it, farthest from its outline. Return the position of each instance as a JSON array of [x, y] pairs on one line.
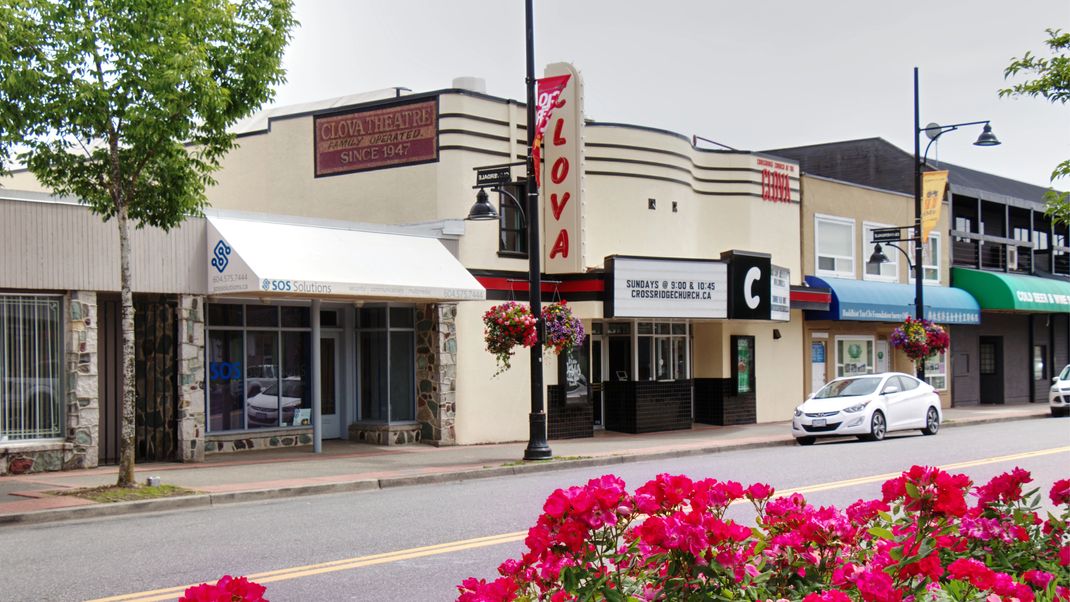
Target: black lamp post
[[538, 448], [933, 131]]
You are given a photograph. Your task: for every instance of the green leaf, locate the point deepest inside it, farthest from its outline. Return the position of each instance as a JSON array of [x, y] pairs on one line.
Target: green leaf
[[882, 533]]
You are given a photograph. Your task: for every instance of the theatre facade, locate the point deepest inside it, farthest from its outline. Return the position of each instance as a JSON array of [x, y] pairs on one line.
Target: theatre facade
[[334, 289]]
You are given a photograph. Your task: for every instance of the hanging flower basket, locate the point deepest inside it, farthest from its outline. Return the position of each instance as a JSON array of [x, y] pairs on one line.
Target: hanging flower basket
[[506, 326], [920, 339], [564, 331]]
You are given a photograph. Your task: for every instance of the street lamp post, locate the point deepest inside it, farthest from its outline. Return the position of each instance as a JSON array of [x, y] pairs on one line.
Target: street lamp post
[[538, 448], [933, 131]]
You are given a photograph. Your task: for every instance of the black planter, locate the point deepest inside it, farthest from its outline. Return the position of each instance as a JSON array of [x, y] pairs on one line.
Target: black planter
[[648, 406]]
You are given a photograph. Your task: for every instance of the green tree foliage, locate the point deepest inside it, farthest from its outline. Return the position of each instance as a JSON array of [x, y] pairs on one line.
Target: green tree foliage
[[126, 105], [1051, 81]]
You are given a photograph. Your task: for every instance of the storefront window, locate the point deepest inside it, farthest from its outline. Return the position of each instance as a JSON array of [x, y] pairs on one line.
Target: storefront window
[[513, 236], [259, 362], [1040, 363], [936, 371], [387, 363], [854, 355], [930, 260], [31, 352], [661, 350]]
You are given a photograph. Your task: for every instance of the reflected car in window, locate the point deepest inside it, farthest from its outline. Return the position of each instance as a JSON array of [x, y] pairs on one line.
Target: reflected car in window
[[263, 406], [868, 407]]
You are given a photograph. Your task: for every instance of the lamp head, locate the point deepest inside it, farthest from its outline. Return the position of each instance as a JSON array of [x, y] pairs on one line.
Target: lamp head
[[482, 210], [987, 138], [878, 255]]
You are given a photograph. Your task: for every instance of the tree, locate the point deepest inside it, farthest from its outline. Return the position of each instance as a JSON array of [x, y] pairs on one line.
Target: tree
[[1052, 82], [125, 105]]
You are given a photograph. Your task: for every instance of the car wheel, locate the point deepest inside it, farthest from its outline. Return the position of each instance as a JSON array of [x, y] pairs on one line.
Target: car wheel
[[877, 427], [1056, 412], [932, 422], [805, 440]]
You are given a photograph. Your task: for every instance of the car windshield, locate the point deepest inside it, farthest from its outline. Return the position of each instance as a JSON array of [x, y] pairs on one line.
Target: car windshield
[[850, 387], [1065, 374]]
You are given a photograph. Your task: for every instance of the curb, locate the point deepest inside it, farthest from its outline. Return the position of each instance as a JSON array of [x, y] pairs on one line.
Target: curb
[[253, 495]]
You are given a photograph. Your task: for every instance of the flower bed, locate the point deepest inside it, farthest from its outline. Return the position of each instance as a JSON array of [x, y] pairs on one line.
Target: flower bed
[[932, 536]]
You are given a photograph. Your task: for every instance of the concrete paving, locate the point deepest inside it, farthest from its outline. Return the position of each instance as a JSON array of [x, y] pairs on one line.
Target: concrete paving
[[346, 466]]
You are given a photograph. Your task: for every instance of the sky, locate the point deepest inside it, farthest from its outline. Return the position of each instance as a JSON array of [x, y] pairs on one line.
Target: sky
[[753, 75]]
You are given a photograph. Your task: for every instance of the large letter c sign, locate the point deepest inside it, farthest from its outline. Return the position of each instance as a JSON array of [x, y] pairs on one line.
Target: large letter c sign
[[752, 300]]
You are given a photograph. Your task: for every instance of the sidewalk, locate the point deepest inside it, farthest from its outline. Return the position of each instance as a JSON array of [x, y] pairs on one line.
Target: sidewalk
[[345, 466]]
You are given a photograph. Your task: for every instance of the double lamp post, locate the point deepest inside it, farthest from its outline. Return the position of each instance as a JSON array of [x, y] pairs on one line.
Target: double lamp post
[[932, 131]]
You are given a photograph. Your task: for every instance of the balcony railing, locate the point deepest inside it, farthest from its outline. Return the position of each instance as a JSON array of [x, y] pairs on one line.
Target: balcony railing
[[985, 252]]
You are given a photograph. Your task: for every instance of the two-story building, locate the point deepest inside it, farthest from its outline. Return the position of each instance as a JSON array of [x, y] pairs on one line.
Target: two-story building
[[1000, 247]]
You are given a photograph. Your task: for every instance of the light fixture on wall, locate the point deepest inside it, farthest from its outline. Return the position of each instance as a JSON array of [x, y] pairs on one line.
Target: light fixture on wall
[[776, 334]]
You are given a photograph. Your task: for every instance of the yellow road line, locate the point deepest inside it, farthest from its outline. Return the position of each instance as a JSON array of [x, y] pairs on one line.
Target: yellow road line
[[172, 593]]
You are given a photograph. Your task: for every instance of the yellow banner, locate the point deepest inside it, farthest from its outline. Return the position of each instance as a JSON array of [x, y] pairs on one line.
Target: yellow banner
[[933, 185]]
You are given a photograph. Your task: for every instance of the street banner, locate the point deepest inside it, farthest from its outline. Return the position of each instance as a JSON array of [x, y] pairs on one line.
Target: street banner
[[933, 185], [547, 93]]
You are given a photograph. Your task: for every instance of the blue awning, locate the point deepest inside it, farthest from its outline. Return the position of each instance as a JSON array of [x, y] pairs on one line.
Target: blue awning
[[891, 302]]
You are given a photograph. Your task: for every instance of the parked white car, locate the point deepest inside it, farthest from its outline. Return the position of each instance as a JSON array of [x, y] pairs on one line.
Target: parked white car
[[1059, 396], [868, 406]]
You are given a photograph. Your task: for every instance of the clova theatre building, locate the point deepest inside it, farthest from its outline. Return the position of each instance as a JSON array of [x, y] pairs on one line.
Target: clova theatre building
[[335, 272]]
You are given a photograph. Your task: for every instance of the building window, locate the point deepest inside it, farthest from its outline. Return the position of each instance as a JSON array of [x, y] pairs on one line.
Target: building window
[[930, 260], [512, 235], [987, 359], [854, 355], [662, 350], [835, 247], [31, 359], [1040, 364], [259, 359], [386, 360], [936, 371], [887, 271]]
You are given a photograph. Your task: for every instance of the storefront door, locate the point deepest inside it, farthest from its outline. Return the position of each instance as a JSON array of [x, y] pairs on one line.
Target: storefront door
[[331, 384], [990, 365], [597, 371]]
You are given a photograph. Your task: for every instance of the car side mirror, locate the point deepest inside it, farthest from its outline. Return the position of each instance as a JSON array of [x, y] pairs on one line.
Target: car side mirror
[[1055, 380], [890, 389], [254, 390]]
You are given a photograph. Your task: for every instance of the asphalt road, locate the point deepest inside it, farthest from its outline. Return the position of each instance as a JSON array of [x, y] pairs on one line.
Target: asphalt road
[[417, 543]]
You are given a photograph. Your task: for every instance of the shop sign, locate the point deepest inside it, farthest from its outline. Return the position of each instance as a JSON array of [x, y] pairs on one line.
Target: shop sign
[[776, 179], [666, 288], [562, 185], [385, 136], [780, 294], [750, 278]]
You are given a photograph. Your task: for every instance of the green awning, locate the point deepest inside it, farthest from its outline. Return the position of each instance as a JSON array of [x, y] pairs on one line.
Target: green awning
[[1013, 292]]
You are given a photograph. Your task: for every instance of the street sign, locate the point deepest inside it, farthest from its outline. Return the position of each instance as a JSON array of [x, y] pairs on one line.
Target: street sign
[[494, 176], [887, 235]]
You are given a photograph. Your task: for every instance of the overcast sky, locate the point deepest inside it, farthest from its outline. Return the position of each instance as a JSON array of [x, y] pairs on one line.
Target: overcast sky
[[752, 75]]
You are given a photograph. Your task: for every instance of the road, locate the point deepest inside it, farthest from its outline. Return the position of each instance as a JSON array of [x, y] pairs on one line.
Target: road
[[417, 543]]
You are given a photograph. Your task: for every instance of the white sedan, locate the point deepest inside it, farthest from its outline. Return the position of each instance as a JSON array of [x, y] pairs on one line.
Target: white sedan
[[1059, 395], [868, 407]]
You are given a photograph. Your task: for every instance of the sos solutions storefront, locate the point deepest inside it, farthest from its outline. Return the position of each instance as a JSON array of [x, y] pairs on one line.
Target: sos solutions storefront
[[318, 332]]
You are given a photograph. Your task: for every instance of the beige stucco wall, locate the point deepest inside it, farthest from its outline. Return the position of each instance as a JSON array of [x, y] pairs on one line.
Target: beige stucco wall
[[864, 205]]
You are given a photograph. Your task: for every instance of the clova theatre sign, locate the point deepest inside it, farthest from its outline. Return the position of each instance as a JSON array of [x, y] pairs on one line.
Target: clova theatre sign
[[392, 135], [743, 285]]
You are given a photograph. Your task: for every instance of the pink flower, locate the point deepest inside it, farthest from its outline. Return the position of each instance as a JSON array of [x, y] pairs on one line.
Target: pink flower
[[227, 589], [1060, 492], [759, 491]]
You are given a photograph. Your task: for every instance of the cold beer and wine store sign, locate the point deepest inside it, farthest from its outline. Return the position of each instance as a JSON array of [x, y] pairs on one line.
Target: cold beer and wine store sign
[[378, 137]]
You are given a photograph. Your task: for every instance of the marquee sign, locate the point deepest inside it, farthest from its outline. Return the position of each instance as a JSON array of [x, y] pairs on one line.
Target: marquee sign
[[640, 287], [374, 138]]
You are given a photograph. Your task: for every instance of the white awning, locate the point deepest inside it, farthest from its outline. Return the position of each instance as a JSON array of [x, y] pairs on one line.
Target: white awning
[[248, 256]]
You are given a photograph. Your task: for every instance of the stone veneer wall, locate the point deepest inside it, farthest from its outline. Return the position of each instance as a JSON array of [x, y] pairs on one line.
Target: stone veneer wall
[[436, 372], [259, 439], [191, 379], [80, 403]]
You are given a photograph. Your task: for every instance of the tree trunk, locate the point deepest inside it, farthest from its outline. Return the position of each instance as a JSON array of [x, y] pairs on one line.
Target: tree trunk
[[126, 439]]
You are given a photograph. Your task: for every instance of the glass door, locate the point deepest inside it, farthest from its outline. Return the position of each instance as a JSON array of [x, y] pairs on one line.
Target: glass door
[[330, 384], [596, 377]]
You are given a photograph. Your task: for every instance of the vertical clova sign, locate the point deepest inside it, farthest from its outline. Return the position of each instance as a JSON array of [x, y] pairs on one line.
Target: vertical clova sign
[[562, 179]]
